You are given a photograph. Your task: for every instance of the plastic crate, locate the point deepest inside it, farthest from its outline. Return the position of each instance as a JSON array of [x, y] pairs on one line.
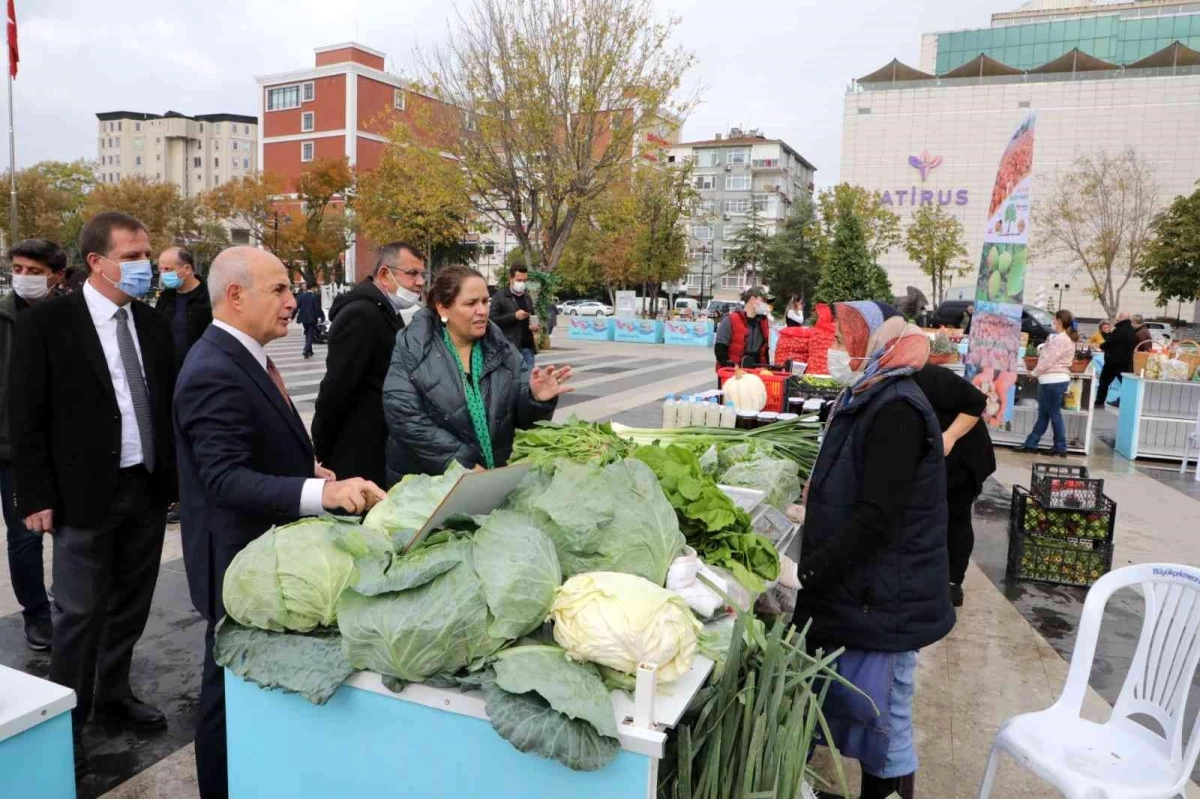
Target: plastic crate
[[1066, 488], [1054, 561], [1030, 517], [775, 384]]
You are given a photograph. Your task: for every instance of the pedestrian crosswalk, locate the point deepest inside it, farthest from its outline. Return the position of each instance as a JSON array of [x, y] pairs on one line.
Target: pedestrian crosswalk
[[303, 377]]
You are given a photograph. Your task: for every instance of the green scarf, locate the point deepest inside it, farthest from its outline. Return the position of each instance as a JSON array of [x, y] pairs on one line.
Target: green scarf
[[474, 396]]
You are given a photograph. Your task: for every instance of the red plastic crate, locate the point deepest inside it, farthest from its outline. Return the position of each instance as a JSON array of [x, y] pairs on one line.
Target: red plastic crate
[[775, 382]]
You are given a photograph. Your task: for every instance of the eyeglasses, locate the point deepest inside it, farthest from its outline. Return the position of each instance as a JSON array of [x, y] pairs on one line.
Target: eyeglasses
[[413, 273]]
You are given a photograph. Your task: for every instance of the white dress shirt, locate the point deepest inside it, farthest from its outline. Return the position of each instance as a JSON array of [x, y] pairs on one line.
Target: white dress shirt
[[104, 318], [310, 496]]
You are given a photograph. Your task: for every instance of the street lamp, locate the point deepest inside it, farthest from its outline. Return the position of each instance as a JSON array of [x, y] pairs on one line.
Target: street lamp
[[705, 268], [1061, 288]]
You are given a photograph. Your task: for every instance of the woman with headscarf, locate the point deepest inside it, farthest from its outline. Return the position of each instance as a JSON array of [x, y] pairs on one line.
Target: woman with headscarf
[[874, 572]]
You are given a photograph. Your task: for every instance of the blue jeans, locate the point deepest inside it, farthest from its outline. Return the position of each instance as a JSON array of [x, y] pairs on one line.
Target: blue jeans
[[527, 356], [1050, 400], [24, 556]]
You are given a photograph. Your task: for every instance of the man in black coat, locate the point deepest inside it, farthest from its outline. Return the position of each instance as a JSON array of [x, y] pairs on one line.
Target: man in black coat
[[512, 310], [349, 433], [95, 461], [183, 300], [308, 313], [1118, 354], [245, 460], [970, 460]]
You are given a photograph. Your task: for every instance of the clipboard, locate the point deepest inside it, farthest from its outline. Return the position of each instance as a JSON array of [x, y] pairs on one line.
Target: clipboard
[[475, 493]]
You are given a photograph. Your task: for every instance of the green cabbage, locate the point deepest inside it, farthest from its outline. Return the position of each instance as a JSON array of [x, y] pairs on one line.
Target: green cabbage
[[614, 518], [290, 577], [519, 569], [410, 504]]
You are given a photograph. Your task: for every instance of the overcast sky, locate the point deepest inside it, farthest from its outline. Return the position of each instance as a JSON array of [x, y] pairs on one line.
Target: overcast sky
[[778, 65]]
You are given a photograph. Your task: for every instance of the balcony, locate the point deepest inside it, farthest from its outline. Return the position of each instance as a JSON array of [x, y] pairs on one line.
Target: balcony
[[767, 164]]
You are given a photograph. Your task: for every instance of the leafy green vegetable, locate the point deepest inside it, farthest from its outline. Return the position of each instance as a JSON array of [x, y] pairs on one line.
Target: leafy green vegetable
[[382, 570], [290, 577], [311, 665], [569, 687], [520, 571], [778, 477], [410, 504], [614, 518], [437, 626], [718, 530], [575, 440], [529, 723]]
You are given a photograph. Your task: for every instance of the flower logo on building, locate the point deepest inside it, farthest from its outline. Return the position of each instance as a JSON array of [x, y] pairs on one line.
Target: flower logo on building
[[924, 163]]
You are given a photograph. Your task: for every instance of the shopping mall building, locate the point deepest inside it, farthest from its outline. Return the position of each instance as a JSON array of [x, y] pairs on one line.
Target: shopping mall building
[[1101, 76]]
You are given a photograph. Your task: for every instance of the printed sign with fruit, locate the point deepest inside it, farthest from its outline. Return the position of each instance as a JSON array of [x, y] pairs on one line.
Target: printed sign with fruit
[[1002, 273]]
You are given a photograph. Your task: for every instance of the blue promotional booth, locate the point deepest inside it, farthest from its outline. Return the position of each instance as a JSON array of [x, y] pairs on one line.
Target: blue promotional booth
[[590, 328], [36, 756], [638, 331], [688, 334]]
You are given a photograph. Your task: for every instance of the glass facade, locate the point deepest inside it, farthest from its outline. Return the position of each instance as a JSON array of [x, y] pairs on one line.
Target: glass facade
[[1112, 38]]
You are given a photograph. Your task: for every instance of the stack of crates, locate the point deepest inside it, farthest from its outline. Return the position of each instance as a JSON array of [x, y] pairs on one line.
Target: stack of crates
[[1061, 531]]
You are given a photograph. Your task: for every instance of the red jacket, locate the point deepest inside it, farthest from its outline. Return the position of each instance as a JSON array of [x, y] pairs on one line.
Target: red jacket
[[737, 346]]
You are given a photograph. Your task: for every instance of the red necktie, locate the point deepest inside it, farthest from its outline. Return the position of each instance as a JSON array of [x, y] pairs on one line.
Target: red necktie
[[277, 379]]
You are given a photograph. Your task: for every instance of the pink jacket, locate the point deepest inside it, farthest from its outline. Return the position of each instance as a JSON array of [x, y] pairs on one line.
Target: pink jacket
[[1056, 356]]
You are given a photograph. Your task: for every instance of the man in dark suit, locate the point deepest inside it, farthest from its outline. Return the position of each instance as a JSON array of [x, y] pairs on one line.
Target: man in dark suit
[[348, 429], [245, 459], [308, 313], [94, 460]]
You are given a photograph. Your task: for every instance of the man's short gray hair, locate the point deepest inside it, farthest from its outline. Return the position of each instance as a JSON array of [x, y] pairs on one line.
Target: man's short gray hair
[[1137, 319], [230, 268]]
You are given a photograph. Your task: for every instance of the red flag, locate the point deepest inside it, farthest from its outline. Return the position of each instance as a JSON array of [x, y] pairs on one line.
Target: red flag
[[13, 55]]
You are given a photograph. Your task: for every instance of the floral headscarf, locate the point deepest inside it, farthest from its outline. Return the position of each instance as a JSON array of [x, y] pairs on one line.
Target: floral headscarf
[[877, 332]]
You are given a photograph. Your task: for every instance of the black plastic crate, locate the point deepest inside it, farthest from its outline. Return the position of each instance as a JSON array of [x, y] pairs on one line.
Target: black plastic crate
[[1068, 560], [1066, 488], [1029, 517]]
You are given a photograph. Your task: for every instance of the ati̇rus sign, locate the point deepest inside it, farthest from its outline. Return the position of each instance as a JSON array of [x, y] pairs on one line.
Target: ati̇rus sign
[[924, 164]]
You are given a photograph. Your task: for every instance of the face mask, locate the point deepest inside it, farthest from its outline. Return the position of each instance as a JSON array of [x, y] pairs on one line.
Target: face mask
[[518, 286], [31, 287], [839, 368], [170, 280], [751, 311], [135, 277], [407, 297]]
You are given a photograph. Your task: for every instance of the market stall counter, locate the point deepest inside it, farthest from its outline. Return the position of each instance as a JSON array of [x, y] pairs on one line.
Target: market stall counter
[[36, 759], [1156, 417]]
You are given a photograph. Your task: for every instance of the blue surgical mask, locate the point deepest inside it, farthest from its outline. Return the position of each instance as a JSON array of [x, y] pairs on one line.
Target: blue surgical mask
[[170, 280], [135, 277]]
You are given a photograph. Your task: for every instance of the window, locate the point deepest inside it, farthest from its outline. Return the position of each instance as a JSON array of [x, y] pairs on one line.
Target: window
[[137, 160], [235, 146], [306, 151], [738, 157], [138, 142], [733, 280], [398, 99], [247, 130], [708, 158], [137, 126], [706, 182], [110, 141], [706, 207], [117, 142], [703, 232], [118, 162], [216, 162], [283, 98], [469, 122], [158, 157], [158, 140], [118, 124], [309, 92], [863, 111], [306, 124], [197, 163], [740, 206], [216, 127], [245, 163], [737, 182], [201, 127]]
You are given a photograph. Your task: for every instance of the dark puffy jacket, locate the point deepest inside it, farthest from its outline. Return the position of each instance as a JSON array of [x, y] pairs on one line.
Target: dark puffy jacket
[[1118, 349], [893, 599], [505, 305], [426, 408], [348, 431]]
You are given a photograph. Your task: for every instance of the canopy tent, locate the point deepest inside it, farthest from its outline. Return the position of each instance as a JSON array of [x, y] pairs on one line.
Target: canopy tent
[[1074, 60], [1176, 54], [893, 72], [982, 66]]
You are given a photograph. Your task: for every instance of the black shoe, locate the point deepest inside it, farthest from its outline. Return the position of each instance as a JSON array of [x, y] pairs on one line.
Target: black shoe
[[956, 595], [1058, 454], [1024, 450], [1116, 404], [39, 634], [173, 514], [132, 713]]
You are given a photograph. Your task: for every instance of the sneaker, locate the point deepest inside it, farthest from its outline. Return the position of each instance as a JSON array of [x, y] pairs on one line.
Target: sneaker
[[956, 595], [39, 634]]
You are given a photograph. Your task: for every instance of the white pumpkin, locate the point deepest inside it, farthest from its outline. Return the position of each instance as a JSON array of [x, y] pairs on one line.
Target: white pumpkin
[[746, 391]]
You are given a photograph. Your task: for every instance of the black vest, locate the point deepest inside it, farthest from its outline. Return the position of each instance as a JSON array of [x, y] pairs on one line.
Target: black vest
[[896, 598]]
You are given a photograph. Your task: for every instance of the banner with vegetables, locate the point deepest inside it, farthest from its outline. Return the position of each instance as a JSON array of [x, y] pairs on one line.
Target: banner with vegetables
[[995, 348]]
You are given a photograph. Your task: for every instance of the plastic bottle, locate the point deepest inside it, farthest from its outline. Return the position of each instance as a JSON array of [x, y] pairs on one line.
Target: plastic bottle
[[712, 413], [683, 412], [729, 415], [695, 412], [670, 414]]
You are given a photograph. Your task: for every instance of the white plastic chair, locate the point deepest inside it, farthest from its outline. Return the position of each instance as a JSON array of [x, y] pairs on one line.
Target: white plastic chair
[[1120, 759], [1192, 443]]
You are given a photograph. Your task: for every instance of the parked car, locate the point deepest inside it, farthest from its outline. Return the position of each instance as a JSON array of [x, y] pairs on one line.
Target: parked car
[[687, 306], [719, 308], [1161, 332], [565, 304], [589, 308], [1037, 322]]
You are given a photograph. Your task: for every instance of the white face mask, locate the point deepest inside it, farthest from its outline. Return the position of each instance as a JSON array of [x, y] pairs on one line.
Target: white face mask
[[518, 286], [839, 367], [31, 287], [752, 310], [406, 296]]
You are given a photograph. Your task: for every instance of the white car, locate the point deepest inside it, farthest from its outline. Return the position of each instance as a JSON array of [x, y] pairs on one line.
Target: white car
[[1161, 332], [590, 309]]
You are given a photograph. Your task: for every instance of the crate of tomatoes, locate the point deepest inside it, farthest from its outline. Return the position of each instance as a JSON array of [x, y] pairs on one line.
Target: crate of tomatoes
[[1066, 488], [1061, 547]]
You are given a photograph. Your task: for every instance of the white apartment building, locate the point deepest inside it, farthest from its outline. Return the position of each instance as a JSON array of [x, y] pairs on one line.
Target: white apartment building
[[194, 153], [921, 138], [731, 172]]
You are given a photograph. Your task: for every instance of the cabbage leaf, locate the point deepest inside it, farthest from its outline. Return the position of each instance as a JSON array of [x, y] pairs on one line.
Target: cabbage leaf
[[411, 503], [311, 665], [569, 687], [529, 723], [519, 570]]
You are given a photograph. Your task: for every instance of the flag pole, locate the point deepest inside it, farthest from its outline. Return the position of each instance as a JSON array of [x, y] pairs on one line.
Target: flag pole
[[12, 167]]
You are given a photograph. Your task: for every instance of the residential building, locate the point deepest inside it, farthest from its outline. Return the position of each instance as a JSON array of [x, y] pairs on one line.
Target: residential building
[[196, 153], [731, 172], [956, 123]]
